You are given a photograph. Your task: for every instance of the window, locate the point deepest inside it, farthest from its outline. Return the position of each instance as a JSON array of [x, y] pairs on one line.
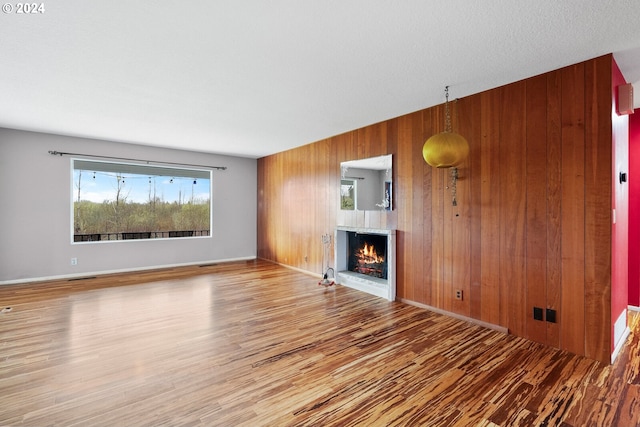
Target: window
[[120, 201], [348, 194]]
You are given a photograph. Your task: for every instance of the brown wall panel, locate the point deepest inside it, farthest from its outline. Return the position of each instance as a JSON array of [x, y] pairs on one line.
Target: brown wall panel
[[437, 249], [458, 222], [405, 196], [490, 203], [470, 125], [532, 225], [598, 217], [554, 203], [536, 215], [426, 126], [571, 312], [461, 242], [513, 146], [414, 221], [434, 251]]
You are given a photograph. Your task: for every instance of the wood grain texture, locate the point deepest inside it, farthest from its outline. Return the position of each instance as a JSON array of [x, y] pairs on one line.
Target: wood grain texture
[[572, 307], [474, 127], [598, 219], [425, 234], [533, 222], [554, 203], [458, 226], [256, 344], [513, 191], [536, 203], [404, 196], [490, 203]]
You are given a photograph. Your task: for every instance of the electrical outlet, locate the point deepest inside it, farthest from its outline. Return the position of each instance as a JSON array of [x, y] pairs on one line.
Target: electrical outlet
[[551, 315], [74, 261], [538, 313], [459, 294]]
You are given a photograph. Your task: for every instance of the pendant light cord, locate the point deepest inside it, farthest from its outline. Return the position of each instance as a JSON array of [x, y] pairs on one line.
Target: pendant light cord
[[447, 115]]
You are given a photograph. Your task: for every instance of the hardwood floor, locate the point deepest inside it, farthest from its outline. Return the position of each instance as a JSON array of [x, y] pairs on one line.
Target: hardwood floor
[[253, 343]]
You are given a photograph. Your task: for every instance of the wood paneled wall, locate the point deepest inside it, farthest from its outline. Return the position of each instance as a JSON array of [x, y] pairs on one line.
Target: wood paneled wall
[[533, 221]]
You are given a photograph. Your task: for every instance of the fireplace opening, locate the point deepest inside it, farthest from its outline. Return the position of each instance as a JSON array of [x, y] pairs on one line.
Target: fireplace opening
[[368, 254]]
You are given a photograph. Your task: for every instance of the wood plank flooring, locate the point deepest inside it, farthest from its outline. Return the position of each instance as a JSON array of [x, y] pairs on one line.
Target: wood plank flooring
[[256, 344]]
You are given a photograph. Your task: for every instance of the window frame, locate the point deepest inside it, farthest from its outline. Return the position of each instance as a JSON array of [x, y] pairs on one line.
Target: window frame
[[353, 191], [131, 167]]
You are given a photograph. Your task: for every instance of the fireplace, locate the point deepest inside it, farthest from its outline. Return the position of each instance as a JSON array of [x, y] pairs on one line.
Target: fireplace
[[365, 260], [367, 254]]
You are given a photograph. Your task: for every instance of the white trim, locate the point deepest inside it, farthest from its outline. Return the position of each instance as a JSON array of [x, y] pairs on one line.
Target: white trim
[[497, 328], [141, 165], [633, 308], [619, 327], [290, 267], [620, 333], [370, 285], [620, 345], [385, 288], [124, 270]]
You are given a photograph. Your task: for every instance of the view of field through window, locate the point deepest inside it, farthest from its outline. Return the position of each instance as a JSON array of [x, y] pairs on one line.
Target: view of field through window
[[119, 201]]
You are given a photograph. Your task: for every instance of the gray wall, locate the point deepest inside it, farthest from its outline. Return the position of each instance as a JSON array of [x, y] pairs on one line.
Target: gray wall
[[370, 189], [35, 211]]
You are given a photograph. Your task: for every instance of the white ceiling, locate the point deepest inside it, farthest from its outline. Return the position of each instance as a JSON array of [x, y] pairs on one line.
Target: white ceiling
[[255, 77]]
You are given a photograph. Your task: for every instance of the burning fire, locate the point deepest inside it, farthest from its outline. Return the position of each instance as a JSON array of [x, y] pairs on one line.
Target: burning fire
[[368, 255]]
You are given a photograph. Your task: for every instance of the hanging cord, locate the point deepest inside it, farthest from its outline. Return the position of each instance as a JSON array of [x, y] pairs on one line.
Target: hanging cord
[[448, 128], [447, 114], [454, 180]]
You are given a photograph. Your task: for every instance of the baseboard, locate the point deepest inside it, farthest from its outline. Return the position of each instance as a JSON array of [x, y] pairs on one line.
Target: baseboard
[[633, 308], [498, 328], [620, 345], [124, 270], [299, 270]]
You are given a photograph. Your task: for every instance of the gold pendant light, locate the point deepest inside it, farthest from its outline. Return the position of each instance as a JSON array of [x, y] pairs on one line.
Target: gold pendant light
[[446, 149]]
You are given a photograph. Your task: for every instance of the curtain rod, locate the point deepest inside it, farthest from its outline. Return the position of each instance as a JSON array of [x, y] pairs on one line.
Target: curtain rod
[[61, 153]]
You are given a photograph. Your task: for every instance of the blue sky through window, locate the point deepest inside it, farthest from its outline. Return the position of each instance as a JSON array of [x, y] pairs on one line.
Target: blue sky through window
[[102, 186]]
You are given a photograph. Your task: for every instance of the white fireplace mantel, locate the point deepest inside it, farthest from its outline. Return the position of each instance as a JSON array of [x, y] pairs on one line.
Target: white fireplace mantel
[[385, 288]]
